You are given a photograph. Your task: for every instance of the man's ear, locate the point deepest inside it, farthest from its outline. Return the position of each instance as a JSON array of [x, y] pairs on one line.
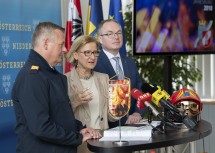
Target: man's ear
[[100, 40], [45, 43]]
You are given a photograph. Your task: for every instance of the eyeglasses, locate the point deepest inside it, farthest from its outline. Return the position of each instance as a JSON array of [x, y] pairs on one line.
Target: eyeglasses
[[88, 53], [111, 35]]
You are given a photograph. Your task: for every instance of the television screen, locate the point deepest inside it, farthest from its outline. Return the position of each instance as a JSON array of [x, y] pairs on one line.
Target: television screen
[[173, 27]]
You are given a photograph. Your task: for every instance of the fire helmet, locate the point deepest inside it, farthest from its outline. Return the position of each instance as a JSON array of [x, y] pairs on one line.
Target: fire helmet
[[188, 102]]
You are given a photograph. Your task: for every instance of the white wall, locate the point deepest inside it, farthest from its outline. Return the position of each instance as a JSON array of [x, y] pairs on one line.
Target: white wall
[[206, 88]]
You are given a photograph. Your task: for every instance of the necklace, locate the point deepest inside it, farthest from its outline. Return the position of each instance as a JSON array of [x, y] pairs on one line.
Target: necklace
[[87, 83], [84, 76]]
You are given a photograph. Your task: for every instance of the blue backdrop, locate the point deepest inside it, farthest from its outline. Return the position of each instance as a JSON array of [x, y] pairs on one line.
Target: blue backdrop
[[18, 19]]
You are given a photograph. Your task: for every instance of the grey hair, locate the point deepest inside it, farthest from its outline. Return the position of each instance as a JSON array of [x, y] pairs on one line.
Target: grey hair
[[44, 29]]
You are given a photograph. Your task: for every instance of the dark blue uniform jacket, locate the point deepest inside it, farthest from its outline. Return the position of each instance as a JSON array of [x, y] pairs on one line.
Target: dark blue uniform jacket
[[45, 120]]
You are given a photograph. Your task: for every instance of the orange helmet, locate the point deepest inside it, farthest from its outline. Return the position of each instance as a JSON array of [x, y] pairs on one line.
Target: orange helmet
[[188, 102]]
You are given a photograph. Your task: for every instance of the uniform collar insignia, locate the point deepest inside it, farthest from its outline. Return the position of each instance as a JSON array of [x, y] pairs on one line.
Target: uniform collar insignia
[[33, 67]]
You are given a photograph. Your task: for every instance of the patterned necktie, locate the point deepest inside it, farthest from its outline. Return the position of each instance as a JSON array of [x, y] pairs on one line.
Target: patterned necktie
[[119, 71]]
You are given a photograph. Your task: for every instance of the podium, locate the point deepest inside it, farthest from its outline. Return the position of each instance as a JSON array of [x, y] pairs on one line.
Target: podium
[[158, 140]]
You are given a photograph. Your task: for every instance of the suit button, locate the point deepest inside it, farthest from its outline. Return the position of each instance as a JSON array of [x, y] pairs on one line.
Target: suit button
[[102, 119]]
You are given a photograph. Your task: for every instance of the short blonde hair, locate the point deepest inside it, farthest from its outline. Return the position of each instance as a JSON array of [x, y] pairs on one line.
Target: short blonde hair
[[77, 44]]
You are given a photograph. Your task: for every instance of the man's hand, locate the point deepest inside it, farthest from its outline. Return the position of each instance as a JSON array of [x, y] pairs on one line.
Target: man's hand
[[89, 133], [134, 118]]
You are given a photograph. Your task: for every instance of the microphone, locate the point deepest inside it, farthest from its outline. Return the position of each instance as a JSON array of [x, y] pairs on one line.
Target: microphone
[[161, 98], [143, 102]]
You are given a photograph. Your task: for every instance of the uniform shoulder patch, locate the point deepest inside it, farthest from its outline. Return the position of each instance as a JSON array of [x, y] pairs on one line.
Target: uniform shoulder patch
[[33, 67]]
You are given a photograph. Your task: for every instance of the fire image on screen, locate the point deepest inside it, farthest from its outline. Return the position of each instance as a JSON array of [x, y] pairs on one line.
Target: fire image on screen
[[173, 26]]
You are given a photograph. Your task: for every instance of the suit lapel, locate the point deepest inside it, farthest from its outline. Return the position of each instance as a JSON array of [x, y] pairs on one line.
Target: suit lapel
[[75, 79], [107, 65], [98, 86], [76, 82]]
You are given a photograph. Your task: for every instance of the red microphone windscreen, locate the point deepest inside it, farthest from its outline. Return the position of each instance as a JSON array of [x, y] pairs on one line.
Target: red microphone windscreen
[[135, 93], [141, 98]]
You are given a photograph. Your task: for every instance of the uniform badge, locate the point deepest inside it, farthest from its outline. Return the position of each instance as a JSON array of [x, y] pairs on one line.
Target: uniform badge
[[33, 67]]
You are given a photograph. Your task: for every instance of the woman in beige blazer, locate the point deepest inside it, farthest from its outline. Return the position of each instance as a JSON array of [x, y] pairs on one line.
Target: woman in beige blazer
[[88, 90]]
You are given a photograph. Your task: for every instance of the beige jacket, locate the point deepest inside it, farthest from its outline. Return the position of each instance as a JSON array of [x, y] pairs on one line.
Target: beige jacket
[[82, 111]]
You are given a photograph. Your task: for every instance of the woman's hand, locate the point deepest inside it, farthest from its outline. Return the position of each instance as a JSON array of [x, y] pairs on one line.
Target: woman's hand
[[85, 95]]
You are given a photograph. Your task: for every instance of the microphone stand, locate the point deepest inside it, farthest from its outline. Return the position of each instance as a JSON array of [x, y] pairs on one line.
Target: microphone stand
[[164, 122], [154, 128], [178, 117]]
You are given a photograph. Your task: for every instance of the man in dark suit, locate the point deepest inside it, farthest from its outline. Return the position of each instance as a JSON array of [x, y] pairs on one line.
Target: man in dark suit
[[111, 39], [45, 122]]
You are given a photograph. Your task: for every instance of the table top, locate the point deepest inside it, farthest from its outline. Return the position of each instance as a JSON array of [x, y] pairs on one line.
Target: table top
[[171, 137]]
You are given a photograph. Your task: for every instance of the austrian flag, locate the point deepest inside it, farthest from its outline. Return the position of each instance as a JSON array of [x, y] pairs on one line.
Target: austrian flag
[[74, 27]]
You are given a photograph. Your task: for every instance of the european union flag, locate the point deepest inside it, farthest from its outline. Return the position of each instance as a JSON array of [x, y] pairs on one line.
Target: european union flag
[[115, 12], [94, 17]]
